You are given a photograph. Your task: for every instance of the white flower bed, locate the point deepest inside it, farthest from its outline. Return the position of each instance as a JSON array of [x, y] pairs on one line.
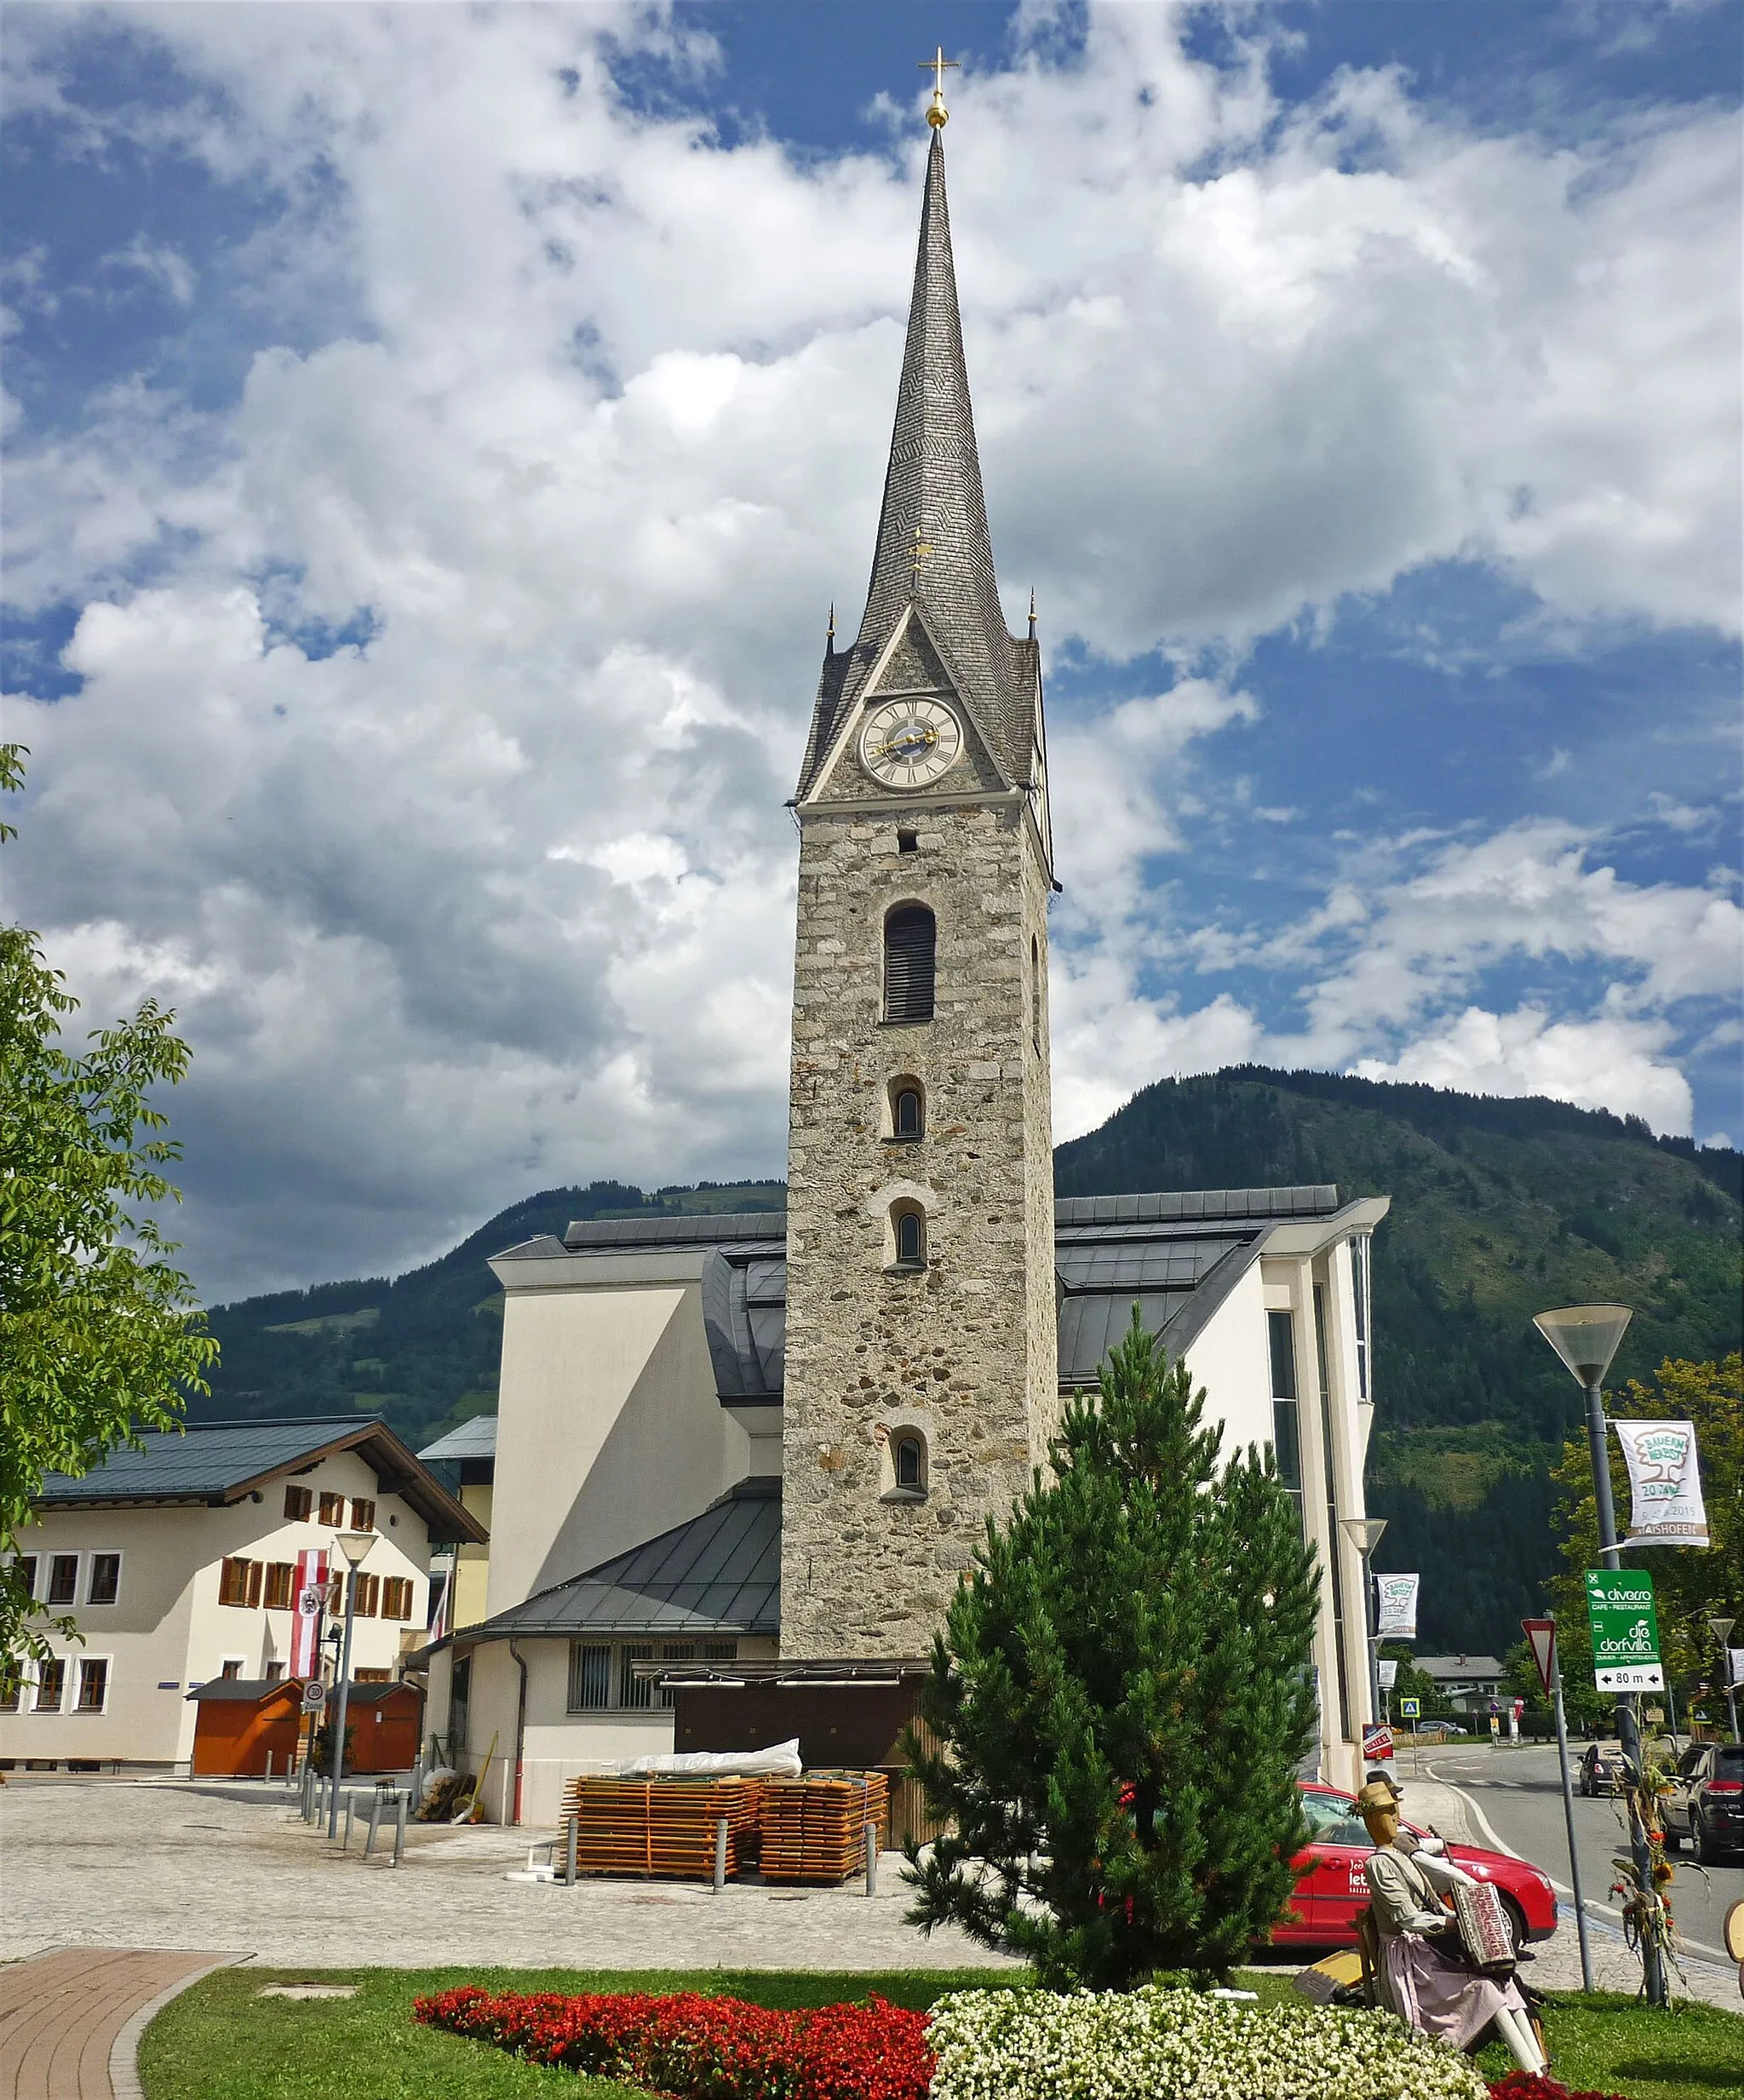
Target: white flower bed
[[1175, 2044]]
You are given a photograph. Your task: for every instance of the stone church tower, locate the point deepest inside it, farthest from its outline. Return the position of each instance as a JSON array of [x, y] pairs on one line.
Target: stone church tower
[[921, 1377]]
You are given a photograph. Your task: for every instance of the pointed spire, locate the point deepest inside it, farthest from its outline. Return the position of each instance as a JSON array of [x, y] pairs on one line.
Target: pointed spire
[[933, 540], [829, 632], [1032, 612]]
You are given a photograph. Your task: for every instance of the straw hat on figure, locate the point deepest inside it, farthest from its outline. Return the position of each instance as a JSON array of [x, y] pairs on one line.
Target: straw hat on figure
[[1424, 1976]]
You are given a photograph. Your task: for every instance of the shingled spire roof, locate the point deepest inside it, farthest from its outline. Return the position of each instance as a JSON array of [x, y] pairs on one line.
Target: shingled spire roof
[[934, 549]]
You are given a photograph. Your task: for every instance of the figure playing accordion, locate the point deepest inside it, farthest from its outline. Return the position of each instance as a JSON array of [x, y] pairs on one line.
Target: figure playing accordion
[[1452, 1976]]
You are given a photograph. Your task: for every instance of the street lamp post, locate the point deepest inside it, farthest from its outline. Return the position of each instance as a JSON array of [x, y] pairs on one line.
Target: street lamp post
[[1721, 1628], [1364, 1533], [1586, 1338], [354, 1544]]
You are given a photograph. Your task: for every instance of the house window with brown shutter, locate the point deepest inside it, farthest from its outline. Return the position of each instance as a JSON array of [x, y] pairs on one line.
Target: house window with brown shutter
[[363, 1514], [233, 1581], [281, 1576], [396, 1598], [372, 1677], [366, 1590], [298, 1502], [333, 1510]]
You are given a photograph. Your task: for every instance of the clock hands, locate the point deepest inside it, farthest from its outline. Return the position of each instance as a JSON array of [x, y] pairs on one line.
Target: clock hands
[[913, 735]]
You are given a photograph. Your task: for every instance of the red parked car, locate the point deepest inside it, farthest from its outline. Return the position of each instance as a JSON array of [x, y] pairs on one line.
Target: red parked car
[[1331, 1886]]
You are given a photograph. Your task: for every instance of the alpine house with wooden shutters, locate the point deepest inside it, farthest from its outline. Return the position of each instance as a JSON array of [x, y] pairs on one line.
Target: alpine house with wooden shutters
[[764, 1449]]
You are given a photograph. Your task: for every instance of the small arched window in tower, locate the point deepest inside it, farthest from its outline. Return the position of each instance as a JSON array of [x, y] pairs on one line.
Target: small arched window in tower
[[910, 936], [908, 1110], [907, 1457], [1036, 993], [910, 1238]]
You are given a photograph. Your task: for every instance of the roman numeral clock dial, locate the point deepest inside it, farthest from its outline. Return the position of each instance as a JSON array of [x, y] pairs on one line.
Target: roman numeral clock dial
[[908, 743]]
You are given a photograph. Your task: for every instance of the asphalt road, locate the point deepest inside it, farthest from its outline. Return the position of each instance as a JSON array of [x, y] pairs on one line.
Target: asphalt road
[[1519, 1792]]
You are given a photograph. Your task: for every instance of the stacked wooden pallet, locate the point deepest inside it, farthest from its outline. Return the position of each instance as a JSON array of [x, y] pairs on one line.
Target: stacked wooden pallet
[[660, 1826], [814, 1827]]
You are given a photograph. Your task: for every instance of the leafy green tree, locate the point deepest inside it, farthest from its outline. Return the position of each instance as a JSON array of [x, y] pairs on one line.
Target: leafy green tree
[[99, 1336], [1689, 1583], [1120, 1699]]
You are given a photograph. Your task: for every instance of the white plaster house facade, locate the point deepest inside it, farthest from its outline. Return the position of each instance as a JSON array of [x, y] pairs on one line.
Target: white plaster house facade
[[175, 1561]]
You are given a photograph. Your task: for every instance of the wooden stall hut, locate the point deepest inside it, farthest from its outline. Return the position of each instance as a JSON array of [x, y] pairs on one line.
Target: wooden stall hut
[[240, 1719]]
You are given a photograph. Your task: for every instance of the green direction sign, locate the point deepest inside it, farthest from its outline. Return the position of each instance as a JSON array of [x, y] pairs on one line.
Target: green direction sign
[[1625, 1630], [1410, 1708]]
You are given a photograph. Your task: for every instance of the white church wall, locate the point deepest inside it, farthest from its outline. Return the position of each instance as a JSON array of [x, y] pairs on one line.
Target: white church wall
[[609, 1430], [1230, 1358]]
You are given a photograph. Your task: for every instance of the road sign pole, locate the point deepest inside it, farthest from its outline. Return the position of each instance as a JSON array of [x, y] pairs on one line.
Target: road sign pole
[[1541, 1636], [1653, 1973]]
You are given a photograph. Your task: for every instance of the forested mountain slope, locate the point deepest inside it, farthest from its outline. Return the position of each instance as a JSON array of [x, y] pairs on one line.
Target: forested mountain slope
[[1501, 1208]]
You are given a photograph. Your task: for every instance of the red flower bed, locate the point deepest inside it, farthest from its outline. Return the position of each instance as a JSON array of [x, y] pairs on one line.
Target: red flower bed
[[698, 2048], [1521, 2085]]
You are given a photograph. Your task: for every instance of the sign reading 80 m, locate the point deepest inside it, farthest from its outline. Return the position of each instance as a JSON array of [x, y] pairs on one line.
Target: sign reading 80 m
[[1620, 1608]]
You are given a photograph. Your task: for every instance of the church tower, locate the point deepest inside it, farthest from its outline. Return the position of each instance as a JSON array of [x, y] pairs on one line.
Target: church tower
[[921, 1379]]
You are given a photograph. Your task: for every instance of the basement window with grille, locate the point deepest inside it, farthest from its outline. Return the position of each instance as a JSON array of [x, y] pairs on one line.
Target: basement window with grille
[[910, 935]]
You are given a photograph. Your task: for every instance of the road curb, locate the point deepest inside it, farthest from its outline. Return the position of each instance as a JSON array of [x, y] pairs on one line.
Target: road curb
[[125, 2051]]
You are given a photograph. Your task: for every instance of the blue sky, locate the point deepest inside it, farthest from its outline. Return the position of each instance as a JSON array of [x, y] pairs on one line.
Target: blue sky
[[435, 434]]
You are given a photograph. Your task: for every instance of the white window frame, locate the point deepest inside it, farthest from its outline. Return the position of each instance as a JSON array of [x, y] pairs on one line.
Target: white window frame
[[45, 1573], [36, 1682], [35, 1558], [105, 1553], [76, 1712]]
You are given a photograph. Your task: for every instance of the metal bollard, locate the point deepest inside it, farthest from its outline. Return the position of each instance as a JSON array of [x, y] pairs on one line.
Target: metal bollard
[[871, 1859], [351, 1801], [374, 1821], [269, 1768], [401, 1801], [720, 1854], [570, 1850]]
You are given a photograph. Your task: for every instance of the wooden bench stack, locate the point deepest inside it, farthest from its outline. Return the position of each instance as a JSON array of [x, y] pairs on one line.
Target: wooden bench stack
[[660, 1827], [814, 1827]]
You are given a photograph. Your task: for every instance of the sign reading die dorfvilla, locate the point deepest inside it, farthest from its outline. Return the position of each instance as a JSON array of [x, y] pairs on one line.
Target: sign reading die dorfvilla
[[1625, 1630]]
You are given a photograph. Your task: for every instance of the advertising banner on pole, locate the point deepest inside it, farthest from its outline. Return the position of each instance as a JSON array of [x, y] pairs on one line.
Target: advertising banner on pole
[[310, 1598], [1620, 1608], [1735, 1657], [1665, 1482], [1388, 1671], [1395, 1607]]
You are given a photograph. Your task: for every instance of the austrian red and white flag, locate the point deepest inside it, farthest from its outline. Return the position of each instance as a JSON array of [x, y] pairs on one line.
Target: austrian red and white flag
[[310, 1599]]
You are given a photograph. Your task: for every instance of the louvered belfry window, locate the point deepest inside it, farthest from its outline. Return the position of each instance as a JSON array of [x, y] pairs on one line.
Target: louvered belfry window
[[910, 935]]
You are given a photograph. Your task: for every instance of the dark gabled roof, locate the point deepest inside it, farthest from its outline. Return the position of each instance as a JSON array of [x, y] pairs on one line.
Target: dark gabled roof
[[214, 1464], [701, 1229], [256, 1691], [721, 1573], [932, 490], [1201, 1206]]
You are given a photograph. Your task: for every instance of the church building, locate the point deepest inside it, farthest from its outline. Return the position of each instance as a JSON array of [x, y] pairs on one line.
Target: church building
[[765, 1446]]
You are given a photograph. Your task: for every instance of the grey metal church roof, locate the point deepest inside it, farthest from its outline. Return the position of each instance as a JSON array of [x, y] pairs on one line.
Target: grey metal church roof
[[216, 1463], [1175, 1252], [718, 1573], [476, 1439], [933, 491]]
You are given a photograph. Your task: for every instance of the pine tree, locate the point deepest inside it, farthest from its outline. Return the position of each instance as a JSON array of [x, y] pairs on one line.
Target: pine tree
[[1120, 1698]]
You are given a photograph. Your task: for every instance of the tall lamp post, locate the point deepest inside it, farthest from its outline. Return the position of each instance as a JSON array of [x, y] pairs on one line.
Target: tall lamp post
[[1721, 1628], [1586, 1338], [354, 1544], [1364, 1533]]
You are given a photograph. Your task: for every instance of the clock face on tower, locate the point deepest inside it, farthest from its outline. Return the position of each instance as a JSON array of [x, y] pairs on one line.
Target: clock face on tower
[[906, 743]]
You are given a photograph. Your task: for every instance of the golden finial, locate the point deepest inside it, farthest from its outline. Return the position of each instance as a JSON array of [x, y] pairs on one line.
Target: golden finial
[[938, 116]]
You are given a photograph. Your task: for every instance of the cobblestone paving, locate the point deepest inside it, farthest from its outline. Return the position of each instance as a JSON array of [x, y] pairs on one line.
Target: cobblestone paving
[[169, 1864]]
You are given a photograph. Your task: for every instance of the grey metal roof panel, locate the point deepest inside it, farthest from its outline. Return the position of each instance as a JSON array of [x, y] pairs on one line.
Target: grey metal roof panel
[[202, 1460], [1118, 1265], [476, 1439], [713, 1228], [1207, 1205], [1092, 1323], [720, 1572]]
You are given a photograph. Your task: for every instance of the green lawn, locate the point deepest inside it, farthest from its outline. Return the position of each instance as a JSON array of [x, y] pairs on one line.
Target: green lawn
[[222, 2041]]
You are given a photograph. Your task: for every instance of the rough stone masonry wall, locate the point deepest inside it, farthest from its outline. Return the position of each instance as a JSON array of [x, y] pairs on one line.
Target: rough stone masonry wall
[[966, 1351]]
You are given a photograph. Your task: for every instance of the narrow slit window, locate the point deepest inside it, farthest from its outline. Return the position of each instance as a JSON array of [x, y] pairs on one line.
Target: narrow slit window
[[910, 937], [910, 1461], [910, 1239], [1036, 993], [910, 1117]]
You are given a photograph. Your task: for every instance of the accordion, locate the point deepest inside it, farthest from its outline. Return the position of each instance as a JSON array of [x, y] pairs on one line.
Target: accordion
[[1484, 1933]]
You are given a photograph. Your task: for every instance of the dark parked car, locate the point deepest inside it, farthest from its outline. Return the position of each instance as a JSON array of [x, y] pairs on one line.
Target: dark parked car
[[1707, 1801], [1603, 1771]]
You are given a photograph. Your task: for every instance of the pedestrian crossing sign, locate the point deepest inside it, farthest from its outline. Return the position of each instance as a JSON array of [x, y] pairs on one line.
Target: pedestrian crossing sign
[[1410, 1708]]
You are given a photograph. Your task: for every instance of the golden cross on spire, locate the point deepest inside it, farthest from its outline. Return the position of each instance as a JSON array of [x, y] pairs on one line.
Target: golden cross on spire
[[938, 115], [922, 547]]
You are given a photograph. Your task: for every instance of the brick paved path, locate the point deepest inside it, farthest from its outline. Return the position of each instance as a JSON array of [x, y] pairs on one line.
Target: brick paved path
[[62, 2014]]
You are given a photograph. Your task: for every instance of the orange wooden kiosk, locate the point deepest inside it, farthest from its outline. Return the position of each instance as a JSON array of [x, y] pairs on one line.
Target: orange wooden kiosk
[[241, 1718]]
